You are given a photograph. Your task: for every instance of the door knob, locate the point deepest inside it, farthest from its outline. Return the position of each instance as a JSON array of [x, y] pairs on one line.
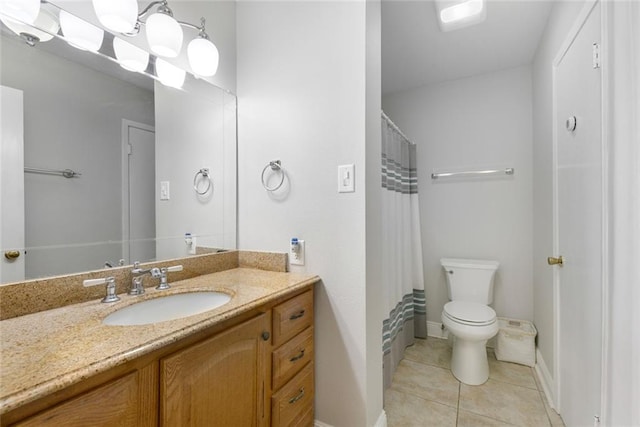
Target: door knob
[[11, 255], [553, 261]]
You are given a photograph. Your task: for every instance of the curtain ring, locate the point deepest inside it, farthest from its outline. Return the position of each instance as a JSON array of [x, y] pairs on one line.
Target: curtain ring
[[205, 174], [275, 166]]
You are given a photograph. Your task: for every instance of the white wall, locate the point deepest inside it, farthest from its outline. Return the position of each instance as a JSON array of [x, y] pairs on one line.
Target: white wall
[[560, 21], [301, 99], [475, 123], [80, 129], [190, 135]]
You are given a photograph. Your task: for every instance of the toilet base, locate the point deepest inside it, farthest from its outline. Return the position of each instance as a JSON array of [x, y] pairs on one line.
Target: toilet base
[[469, 362]]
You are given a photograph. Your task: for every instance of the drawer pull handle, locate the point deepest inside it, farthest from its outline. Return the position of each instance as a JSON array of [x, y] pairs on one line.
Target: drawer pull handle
[[298, 356], [297, 315], [265, 336], [299, 396]]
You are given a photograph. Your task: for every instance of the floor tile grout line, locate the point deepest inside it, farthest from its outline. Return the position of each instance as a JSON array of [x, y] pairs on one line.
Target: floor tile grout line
[[420, 397]]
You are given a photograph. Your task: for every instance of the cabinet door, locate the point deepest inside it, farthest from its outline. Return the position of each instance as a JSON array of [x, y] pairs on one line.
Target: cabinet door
[[127, 401], [220, 381]]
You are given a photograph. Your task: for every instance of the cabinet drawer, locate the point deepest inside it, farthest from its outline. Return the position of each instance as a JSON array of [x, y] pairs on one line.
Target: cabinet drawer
[[292, 317], [294, 402], [291, 357]]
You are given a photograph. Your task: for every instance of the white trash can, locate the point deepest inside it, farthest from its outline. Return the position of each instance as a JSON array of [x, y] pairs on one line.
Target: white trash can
[[516, 341]]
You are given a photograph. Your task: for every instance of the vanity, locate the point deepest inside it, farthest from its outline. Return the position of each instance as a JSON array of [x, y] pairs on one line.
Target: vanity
[[248, 362]]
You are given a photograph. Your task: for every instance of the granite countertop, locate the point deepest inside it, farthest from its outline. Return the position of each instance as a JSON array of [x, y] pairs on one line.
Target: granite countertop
[[47, 351]]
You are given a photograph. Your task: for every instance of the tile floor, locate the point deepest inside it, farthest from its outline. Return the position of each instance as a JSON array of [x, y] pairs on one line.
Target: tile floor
[[424, 392]]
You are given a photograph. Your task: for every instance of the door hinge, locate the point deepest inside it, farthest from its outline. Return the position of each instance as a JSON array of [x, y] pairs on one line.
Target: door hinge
[[596, 55], [129, 149]]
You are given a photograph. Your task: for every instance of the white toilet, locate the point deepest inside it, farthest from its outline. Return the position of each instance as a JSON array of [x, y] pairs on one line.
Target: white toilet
[[468, 316]]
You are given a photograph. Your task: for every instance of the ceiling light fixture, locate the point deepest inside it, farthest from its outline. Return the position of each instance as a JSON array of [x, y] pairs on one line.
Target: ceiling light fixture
[[456, 14], [164, 33]]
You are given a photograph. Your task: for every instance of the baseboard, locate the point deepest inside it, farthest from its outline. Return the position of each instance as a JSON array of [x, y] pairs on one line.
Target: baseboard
[[381, 422], [546, 380], [434, 329]]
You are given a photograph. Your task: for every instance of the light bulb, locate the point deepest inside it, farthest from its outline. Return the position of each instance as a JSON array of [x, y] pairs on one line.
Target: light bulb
[[169, 74], [164, 35], [22, 10], [130, 57], [80, 33], [117, 15], [44, 27], [203, 57]]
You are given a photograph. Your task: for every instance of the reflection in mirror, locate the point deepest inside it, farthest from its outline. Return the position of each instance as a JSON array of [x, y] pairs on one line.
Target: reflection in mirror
[[137, 148]]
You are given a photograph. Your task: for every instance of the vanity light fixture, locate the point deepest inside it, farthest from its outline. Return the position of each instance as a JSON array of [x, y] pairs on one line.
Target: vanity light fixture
[[43, 29], [164, 33], [130, 57], [456, 14], [22, 10], [79, 33], [169, 74], [117, 15]]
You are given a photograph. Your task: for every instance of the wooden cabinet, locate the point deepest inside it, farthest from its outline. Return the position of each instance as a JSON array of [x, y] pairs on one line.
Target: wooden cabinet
[[220, 381], [126, 401], [252, 370], [292, 363]]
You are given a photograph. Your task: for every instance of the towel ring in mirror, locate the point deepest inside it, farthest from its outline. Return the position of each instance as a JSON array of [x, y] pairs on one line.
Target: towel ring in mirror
[[204, 174]]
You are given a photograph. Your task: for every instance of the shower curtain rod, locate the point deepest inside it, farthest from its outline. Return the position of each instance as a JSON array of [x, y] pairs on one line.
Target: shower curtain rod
[[395, 127]]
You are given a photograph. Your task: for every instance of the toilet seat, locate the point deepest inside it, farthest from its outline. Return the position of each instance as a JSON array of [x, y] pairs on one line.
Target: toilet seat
[[469, 313]]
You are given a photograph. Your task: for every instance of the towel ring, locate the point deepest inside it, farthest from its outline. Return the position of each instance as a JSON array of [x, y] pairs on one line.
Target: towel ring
[[275, 166], [205, 174]]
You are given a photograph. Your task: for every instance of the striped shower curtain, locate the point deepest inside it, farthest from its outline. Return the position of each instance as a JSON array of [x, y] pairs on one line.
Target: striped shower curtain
[[405, 309]]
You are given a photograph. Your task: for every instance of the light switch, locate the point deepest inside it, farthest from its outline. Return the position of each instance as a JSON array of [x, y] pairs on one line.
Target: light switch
[[346, 179], [164, 190]]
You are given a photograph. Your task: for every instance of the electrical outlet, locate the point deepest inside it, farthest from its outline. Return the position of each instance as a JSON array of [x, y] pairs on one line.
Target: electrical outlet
[[296, 251]]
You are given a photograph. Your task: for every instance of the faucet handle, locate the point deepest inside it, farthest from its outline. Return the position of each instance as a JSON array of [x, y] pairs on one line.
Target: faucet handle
[[111, 287], [163, 278], [173, 268]]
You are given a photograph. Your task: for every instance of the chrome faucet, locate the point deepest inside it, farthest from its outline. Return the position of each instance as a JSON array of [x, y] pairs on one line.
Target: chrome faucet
[[138, 273], [111, 287], [163, 276]]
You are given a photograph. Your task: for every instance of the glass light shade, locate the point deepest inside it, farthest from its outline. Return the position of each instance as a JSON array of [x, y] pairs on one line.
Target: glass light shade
[[164, 35], [23, 10], [80, 33], [130, 57], [203, 57], [44, 27], [117, 15], [169, 74]]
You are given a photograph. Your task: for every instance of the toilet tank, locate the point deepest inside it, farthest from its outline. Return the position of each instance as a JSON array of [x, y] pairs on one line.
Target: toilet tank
[[470, 279]]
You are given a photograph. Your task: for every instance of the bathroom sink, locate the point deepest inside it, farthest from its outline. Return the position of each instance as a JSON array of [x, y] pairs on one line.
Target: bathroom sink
[[165, 308]]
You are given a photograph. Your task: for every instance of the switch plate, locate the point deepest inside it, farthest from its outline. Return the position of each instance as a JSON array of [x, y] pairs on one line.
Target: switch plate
[[165, 194], [346, 179], [297, 258]]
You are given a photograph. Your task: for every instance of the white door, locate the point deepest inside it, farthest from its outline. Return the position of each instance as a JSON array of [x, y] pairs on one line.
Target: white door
[[139, 218], [11, 185], [579, 231]]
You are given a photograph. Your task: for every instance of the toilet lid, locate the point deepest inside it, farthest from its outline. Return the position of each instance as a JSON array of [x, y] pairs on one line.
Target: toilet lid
[[469, 312]]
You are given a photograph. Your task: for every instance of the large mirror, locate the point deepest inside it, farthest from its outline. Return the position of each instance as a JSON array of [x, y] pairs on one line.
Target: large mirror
[[103, 166]]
